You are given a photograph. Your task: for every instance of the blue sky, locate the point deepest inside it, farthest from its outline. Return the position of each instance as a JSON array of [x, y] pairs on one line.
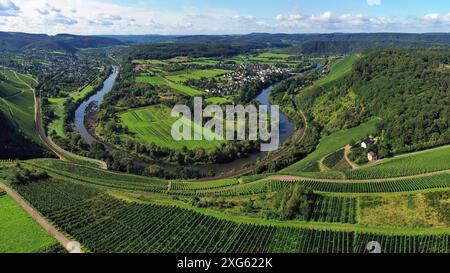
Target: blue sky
[[223, 17]]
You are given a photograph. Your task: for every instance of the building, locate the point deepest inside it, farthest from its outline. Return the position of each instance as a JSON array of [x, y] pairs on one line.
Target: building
[[366, 143], [371, 156]]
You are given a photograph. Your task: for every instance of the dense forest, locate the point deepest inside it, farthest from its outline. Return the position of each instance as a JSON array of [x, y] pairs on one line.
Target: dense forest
[[161, 51], [408, 89]]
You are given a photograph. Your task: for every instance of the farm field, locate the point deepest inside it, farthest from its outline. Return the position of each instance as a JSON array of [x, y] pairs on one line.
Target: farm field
[[332, 143], [196, 74], [438, 181], [153, 124], [416, 163], [169, 229], [19, 233], [217, 100], [187, 90], [151, 80]]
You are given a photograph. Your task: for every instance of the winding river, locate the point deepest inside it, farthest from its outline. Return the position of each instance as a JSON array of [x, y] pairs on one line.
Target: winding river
[[286, 127], [96, 99]]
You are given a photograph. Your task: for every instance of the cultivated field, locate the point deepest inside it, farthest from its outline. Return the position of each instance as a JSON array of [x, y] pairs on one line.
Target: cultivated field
[[153, 124], [19, 233]]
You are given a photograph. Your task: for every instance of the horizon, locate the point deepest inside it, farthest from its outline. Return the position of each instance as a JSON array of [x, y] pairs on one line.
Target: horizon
[[199, 17]]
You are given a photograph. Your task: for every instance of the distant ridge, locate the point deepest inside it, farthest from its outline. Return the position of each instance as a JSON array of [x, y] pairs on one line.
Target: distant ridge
[[15, 41]]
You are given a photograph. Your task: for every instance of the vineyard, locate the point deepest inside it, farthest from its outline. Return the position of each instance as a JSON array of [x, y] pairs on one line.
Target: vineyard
[[103, 224], [418, 163], [401, 185], [333, 159], [100, 177], [193, 186]]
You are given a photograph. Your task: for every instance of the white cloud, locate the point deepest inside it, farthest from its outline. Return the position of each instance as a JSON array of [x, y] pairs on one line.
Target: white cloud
[[431, 17], [8, 8], [374, 2]]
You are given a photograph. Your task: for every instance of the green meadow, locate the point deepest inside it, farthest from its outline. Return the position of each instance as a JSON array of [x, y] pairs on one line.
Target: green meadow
[[19, 233], [151, 80], [196, 74], [334, 142], [218, 100], [153, 124], [187, 90]]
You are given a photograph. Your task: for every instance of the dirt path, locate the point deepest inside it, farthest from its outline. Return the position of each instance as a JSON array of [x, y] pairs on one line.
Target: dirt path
[[346, 152], [63, 240], [291, 178], [59, 152]]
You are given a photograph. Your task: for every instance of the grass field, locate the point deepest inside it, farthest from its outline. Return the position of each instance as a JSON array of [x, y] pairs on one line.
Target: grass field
[[186, 90], [217, 100], [196, 74], [151, 80], [334, 142], [19, 233], [153, 124], [339, 68], [409, 164], [17, 101]]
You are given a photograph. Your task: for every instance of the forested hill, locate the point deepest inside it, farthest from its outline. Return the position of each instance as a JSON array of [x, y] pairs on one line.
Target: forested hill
[[13, 41], [408, 89]]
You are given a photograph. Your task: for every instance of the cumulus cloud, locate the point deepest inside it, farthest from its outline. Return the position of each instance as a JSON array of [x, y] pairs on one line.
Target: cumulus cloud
[[374, 2], [8, 8]]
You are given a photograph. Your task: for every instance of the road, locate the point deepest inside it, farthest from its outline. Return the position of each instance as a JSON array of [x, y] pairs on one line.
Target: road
[[63, 240], [41, 131], [59, 152]]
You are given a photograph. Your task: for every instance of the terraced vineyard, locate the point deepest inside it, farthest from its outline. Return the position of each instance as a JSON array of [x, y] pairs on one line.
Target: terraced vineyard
[[263, 186], [417, 163], [99, 177], [194, 186], [103, 224], [333, 159]]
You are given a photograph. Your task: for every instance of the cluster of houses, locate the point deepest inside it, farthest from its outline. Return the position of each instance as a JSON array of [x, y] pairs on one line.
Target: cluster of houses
[[249, 73], [371, 156]]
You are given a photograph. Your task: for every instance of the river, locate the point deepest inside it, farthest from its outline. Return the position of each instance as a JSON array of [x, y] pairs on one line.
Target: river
[[96, 99], [286, 127]]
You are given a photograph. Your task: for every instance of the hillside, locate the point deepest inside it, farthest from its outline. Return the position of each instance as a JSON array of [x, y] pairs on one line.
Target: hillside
[[18, 138], [13, 41], [408, 89]]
